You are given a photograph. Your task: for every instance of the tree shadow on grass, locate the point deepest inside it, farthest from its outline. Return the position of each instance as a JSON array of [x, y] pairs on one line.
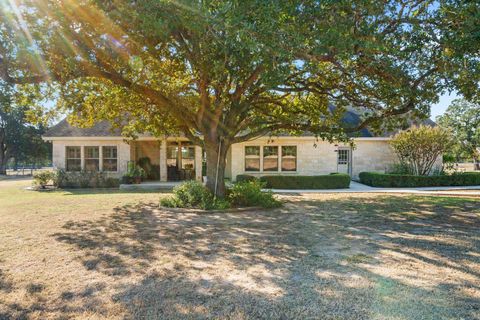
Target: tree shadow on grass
[[308, 260]]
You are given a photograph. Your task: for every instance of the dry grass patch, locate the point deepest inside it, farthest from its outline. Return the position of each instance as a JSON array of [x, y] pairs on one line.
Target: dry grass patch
[[114, 255]]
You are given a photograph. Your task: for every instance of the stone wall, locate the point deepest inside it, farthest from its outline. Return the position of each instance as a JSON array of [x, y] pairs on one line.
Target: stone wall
[[123, 152], [318, 157]]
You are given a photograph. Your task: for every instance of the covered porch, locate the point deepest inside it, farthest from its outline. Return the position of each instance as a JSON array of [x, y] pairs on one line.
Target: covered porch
[[169, 160]]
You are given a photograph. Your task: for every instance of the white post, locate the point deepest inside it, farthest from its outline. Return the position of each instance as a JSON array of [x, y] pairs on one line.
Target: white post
[[163, 160], [100, 158], [198, 163]]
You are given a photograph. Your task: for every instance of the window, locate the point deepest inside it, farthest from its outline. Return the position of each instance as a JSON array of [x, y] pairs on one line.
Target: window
[[109, 158], [343, 156], [270, 158], [172, 155], [92, 159], [188, 157], [289, 158], [73, 159], [252, 158]]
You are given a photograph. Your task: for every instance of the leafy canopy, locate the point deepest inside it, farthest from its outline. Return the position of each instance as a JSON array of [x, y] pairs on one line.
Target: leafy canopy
[[420, 147], [233, 70], [463, 119]]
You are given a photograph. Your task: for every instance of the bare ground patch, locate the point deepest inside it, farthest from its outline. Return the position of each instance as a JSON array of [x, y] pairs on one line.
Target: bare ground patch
[[101, 255]]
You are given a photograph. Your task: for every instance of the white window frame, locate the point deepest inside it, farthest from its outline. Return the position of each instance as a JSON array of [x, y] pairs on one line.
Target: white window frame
[[85, 158], [343, 160], [67, 158], [263, 157], [102, 156], [260, 161], [279, 158]]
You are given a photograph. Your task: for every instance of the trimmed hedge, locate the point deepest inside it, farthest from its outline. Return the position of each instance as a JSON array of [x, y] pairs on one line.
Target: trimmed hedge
[[84, 179], [384, 180], [331, 181], [245, 178]]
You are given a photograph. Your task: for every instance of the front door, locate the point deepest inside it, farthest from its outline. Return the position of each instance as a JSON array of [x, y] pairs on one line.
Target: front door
[[180, 161], [344, 161]]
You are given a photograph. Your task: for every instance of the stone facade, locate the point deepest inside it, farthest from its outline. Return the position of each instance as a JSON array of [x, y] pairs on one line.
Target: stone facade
[[123, 151], [313, 157], [318, 157], [372, 155], [126, 151]]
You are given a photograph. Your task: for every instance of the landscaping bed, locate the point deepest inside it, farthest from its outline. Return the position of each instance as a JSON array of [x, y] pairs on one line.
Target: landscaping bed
[[385, 180]]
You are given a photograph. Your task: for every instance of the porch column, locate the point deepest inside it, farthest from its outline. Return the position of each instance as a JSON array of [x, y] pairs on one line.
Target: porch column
[[163, 160], [198, 163]]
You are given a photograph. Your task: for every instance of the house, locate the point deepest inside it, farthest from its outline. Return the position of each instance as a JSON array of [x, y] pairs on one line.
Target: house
[[99, 148]]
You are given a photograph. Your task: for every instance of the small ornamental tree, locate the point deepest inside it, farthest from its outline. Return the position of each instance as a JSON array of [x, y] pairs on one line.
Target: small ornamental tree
[[222, 71], [420, 147]]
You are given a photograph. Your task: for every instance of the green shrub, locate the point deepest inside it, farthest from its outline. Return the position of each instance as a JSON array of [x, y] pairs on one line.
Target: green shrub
[[42, 179], [399, 168], [383, 180], [249, 193], [193, 194], [127, 180], [245, 178], [331, 181], [85, 179], [152, 172], [112, 182]]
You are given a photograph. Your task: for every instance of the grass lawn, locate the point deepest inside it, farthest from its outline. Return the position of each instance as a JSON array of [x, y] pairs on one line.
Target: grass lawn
[[115, 255]]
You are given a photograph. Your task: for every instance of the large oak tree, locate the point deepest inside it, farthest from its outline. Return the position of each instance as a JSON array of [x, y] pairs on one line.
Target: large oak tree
[[222, 72], [463, 119]]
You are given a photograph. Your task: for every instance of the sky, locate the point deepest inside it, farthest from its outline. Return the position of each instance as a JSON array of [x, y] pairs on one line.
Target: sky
[[442, 105]]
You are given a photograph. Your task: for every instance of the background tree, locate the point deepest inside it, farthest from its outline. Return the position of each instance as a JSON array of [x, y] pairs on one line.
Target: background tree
[[420, 147], [463, 119], [20, 140], [223, 72], [7, 122]]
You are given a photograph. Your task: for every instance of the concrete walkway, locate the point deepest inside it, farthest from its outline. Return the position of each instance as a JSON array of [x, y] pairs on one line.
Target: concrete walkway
[[151, 186], [356, 187]]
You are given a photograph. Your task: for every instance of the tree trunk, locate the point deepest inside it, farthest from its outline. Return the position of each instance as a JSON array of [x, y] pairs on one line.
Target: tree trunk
[[216, 162], [3, 161]]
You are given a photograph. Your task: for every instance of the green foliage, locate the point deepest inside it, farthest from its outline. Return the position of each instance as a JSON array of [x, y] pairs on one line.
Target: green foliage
[[375, 179], [249, 193], [331, 181], [151, 172], [399, 168], [420, 147], [245, 178], [462, 118], [193, 194], [20, 141], [42, 178], [135, 172], [85, 179], [231, 71]]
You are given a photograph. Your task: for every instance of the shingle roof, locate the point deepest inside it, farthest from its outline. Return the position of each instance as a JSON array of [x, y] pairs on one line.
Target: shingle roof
[[104, 129], [100, 129]]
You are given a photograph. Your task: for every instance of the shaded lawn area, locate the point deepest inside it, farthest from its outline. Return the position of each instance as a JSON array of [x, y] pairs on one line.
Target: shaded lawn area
[[115, 255]]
